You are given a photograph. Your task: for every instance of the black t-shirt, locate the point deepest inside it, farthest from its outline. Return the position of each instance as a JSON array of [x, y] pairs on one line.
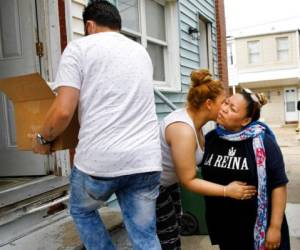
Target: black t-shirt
[[231, 220]]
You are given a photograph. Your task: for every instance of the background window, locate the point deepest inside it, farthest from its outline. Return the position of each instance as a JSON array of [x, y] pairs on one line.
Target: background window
[[229, 54], [282, 48], [253, 52]]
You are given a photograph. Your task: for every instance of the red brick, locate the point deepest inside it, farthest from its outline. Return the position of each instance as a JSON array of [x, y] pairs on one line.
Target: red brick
[[62, 24], [221, 41]]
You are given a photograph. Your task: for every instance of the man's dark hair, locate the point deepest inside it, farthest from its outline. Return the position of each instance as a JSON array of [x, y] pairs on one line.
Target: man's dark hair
[[103, 13]]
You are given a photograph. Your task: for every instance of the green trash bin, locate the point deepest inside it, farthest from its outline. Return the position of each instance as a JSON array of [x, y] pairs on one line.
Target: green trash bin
[[193, 217]]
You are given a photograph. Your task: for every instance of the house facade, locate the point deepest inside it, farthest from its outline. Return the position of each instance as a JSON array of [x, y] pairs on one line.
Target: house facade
[[270, 63], [164, 28], [180, 35]]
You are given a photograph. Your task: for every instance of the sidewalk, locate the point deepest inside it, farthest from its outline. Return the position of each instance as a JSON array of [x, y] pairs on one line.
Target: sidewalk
[[289, 142], [58, 232]]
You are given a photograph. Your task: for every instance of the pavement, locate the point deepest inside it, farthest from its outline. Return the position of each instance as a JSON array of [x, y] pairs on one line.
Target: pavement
[[58, 232]]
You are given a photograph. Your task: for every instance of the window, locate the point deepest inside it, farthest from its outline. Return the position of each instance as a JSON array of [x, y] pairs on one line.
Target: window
[[253, 52], [205, 49], [229, 54], [282, 48], [153, 23], [130, 14]]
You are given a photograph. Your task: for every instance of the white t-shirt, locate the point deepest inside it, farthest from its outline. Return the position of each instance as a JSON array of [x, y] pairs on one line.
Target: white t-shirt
[[168, 176], [119, 132]]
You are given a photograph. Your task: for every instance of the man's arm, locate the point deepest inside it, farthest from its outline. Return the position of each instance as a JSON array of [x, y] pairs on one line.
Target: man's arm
[[60, 113], [57, 118]]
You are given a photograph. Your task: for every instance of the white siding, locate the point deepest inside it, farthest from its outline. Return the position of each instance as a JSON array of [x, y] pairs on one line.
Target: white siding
[[77, 27]]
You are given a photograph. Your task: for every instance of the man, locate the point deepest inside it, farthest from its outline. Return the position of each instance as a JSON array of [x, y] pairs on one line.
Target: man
[[109, 77]]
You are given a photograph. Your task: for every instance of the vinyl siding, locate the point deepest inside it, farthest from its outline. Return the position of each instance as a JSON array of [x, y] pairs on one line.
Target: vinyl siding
[[188, 11], [189, 49]]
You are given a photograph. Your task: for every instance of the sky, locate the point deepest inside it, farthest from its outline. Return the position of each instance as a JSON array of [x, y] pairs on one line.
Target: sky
[[248, 14]]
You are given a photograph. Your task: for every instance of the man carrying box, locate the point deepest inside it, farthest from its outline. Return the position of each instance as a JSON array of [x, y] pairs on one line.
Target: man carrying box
[[109, 78]]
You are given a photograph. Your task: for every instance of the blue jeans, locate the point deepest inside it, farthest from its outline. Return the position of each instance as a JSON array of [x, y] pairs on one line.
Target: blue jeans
[[136, 195]]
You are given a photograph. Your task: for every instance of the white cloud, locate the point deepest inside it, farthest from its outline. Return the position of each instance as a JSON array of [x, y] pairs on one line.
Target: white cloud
[[246, 14]]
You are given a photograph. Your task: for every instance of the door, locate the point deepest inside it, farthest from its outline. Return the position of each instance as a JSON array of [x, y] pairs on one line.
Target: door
[[17, 57], [290, 101]]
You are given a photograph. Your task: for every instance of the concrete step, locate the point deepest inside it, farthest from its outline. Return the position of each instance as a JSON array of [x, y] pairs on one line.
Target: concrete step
[[58, 232], [32, 192], [45, 195]]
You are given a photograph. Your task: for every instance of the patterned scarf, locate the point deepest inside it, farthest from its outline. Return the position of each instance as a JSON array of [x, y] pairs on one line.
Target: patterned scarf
[[255, 130]]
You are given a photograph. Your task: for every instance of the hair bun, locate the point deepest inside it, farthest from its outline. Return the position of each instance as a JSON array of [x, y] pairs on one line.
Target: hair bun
[[263, 100], [200, 76]]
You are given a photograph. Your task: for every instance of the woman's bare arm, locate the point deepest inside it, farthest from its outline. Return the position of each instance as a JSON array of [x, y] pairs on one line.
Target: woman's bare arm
[[182, 141]]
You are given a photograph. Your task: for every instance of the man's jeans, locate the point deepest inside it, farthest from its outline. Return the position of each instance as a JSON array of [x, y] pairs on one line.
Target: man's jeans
[[136, 195]]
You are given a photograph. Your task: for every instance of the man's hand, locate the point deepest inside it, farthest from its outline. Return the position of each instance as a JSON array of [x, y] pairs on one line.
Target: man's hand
[[36, 147], [273, 238]]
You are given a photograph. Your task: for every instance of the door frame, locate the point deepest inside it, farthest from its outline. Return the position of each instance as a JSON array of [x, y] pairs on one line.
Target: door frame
[[51, 31], [296, 98], [48, 19]]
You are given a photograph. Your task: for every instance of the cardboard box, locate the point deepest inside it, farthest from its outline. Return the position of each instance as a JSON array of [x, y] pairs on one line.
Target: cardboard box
[[32, 98]]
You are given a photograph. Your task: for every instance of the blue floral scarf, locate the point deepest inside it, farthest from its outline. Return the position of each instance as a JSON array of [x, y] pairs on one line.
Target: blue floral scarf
[[255, 130]]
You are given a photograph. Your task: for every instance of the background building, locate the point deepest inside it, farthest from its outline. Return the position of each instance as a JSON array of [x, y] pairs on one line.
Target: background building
[[268, 61]]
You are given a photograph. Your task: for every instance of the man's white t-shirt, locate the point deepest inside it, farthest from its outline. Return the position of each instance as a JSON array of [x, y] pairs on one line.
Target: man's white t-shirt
[[119, 132]]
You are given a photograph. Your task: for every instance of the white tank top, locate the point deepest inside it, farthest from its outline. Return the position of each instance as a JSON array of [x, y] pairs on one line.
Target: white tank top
[[168, 176]]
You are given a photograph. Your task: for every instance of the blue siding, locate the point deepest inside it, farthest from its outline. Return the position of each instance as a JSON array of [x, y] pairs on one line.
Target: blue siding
[[189, 49], [188, 13]]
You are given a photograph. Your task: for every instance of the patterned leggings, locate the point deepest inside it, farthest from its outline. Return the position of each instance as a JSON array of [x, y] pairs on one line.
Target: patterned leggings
[[168, 213]]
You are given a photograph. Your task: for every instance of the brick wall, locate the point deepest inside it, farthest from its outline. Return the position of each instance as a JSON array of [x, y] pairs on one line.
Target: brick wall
[[221, 41], [62, 24]]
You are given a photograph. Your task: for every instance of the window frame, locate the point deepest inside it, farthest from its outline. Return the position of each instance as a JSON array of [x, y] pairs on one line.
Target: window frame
[[171, 53], [282, 50], [205, 43], [230, 53], [255, 53]]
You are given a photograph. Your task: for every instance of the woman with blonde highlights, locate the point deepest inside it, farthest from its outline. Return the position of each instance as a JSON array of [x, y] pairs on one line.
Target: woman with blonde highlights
[[182, 143]]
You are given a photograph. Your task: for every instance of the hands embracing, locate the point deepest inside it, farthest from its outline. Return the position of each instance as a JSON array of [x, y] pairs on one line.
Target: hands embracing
[[239, 190]]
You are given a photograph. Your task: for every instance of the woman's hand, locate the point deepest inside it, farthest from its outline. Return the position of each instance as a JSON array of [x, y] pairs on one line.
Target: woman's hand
[[239, 190], [273, 238]]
